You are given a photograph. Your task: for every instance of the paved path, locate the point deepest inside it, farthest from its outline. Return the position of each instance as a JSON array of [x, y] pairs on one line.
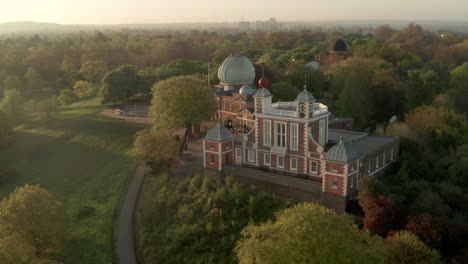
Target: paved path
[[123, 227], [132, 119]]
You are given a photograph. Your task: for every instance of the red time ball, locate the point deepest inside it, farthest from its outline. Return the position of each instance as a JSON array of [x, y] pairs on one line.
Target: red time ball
[[263, 82]]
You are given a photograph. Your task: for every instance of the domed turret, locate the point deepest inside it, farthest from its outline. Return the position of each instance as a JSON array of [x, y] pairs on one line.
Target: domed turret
[[305, 96], [247, 90], [219, 134], [339, 45], [236, 70]]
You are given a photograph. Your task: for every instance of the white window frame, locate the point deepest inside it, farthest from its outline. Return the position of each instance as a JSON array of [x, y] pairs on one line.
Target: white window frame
[[282, 135], [294, 136], [278, 161], [316, 166], [322, 132], [334, 184], [269, 158], [291, 164], [267, 133], [250, 156]]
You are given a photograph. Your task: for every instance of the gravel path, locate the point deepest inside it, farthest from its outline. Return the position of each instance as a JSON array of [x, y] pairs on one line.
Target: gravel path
[[123, 228]]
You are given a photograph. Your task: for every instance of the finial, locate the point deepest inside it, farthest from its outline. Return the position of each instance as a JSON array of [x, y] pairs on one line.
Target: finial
[[305, 82]]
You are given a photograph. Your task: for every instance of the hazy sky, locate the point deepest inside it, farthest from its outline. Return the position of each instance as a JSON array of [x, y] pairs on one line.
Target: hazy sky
[[164, 11]]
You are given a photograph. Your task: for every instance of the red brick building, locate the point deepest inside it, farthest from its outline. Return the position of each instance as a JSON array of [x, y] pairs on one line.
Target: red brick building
[[294, 138]]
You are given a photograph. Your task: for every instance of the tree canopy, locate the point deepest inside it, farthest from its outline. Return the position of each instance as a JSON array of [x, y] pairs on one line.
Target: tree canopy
[[181, 102], [308, 233], [32, 225]]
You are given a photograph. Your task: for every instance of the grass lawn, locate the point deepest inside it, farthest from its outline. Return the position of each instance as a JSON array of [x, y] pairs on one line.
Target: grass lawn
[[82, 158]]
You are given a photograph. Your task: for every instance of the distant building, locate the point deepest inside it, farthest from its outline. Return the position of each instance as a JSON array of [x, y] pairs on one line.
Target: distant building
[[244, 26], [339, 50], [269, 25]]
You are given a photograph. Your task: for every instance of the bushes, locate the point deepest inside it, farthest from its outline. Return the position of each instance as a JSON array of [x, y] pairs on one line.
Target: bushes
[[198, 220]]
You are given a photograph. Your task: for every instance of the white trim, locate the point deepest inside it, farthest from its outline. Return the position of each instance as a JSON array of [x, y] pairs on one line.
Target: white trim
[[276, 123], [253, 156], [294, 136], [291, 163], [277, 162], [316, 167], [266, 124], [264, 159]]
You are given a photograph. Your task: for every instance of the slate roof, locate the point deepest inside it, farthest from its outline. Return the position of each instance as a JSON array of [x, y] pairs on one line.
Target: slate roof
[[218, 133], [350, 145], [305, 96], [263, 92]]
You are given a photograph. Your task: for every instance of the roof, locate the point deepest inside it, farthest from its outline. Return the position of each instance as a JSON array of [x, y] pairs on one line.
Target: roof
[[263, 92], [351, 145], [236, 70], [305, 96], [218, 133], [247, 90], [339, 45]]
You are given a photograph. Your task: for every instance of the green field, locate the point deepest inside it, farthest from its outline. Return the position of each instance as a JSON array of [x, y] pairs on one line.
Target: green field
[[82, 158]]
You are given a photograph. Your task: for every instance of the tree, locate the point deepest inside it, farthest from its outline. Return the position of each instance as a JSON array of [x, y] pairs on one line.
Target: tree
[[155, 147], [46, 106], [422, 87], [93, 70], [380, 214], [5, 129], [367, 188], [13, 106], [284, 91], [181, 102], [84, 89], [67, 97], [32, 220], [12, 82], [383, 32], [119, 84], [405, 248], [366, 89], [34, 78], [308, 233], [423, 227]]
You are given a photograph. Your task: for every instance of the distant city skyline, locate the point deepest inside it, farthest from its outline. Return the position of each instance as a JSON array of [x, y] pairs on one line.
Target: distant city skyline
[[199, 11]]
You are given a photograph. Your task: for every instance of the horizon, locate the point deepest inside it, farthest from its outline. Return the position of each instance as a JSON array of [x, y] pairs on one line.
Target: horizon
[[87, 12]]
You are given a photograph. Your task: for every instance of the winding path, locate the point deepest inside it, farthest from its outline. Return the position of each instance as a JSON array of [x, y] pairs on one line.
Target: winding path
[[123, 227]]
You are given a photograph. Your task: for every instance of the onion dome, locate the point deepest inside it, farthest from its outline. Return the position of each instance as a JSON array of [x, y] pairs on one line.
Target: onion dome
[[236, 70], [305, 96], [339, 45], [218, 133], [247, 90], [263, 82]]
